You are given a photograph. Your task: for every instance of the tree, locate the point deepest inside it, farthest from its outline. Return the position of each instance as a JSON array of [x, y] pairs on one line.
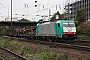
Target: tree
[[54, 16], [84, 29], [24, 20], [81, 15], [61, 16], [2, 30]]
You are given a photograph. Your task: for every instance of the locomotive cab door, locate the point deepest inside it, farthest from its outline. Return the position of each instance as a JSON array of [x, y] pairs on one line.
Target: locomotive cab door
[[59, 30]]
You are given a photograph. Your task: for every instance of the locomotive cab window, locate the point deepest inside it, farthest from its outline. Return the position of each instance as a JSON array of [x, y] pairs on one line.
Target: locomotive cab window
[[70, 24], [58, 24]]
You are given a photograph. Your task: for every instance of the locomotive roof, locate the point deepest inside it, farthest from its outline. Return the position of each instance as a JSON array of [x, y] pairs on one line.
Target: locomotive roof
[[64, 21], [55, 22], [45, 23]]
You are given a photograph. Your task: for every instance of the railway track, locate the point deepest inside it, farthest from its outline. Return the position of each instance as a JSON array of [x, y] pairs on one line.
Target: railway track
[[66, 45], [73, 45], [6, 54]]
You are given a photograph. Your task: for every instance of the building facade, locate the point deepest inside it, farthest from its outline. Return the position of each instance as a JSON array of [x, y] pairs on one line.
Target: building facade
[[78, 5]]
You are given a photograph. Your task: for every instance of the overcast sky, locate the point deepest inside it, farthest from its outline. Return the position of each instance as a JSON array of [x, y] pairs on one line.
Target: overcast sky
[[27, 8]]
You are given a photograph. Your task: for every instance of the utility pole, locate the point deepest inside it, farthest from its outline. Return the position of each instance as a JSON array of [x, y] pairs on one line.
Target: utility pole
[[68, 12], [67, 8], [8, 11], [49, 14], [11, 18]]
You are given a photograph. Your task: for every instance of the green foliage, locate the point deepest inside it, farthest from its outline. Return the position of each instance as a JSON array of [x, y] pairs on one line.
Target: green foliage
[[2, 29], [81, 15], [24, 20], [81, 58], [84, 29], [4, 43], [47, 55]]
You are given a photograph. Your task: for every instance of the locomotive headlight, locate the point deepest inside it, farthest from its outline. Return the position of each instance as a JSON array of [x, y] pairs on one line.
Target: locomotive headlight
[[65, 33], [74, 33]]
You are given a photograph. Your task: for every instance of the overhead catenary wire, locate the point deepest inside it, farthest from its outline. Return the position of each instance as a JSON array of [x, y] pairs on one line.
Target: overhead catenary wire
[[49, 8], [46, 9], [1, 4], [26, 6]]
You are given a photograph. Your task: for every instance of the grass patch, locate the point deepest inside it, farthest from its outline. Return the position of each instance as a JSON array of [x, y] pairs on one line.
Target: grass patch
[[81, 58], [24, 49], [82, 36]]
